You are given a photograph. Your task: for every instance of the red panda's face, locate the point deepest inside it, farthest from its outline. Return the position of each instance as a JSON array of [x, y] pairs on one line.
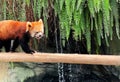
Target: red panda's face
[[36, 29]]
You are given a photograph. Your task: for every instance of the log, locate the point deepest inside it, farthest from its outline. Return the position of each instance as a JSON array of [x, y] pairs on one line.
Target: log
[[61, 58]]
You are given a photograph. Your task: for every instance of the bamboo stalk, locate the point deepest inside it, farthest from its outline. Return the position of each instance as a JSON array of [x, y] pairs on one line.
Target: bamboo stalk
[[61, 58]]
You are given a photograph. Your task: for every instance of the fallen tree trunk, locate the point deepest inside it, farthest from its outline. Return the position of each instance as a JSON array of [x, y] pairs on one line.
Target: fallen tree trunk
[[61, 58]]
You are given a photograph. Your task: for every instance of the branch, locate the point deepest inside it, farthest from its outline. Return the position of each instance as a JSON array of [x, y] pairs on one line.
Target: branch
[[61, 58]]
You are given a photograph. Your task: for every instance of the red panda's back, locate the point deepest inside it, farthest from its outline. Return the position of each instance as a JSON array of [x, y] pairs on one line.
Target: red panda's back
[[10, 29]]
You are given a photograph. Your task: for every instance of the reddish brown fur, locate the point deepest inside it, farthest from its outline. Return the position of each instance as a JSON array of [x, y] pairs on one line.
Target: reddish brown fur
[[10, 29], [36, 26]]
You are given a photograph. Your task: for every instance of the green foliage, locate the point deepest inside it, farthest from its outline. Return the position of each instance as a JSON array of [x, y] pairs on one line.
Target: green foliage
[[115, 15], [88, 16], [83, 16], [4, 10], [10, 11], [27, 2]]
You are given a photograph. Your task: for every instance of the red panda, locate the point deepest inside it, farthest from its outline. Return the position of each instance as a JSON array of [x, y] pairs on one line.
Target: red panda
[[20, 32]]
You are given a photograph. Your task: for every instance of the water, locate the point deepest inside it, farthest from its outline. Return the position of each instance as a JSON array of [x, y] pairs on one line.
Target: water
[[60, 65], [61, 72]]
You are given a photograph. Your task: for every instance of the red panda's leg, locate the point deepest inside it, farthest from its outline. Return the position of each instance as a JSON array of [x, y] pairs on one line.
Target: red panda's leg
[[24, 43], [1, 45], [15, 45], [25, 47], [7, 45]]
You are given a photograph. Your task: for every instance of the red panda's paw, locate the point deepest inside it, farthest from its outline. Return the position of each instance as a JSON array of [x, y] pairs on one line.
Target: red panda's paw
[[31, 52], [13, 51], [35, 51]]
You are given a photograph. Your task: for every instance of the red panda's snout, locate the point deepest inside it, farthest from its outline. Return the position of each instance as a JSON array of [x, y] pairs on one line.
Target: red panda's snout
[[39, 35]]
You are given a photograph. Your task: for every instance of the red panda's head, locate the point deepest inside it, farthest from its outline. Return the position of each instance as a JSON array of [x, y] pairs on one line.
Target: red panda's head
[[36, 29]]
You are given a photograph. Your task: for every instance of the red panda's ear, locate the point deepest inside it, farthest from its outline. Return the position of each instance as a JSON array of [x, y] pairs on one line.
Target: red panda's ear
[[40, 20], [28, 26]]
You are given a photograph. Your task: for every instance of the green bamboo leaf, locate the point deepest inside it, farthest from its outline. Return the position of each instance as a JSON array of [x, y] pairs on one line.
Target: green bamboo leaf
[[98, 37], [21, 10], [68, 6], [27, 2], [61, 3], [106, 40], [97, 5], [81, 6], [76, 16], [57, 8], [67, 28], [91, 7], [91, 25], [88, 39], [34, 8], [68, 9], [64, 22], [79, 3], [39, 7], [115, 13], [73, 5], [99, 30], [76, 25], [111, 26], [46, 26], [4, 10], [106, 15], [87, 31], [100, 20], [82, 22], [77, 33], [96, 22]]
